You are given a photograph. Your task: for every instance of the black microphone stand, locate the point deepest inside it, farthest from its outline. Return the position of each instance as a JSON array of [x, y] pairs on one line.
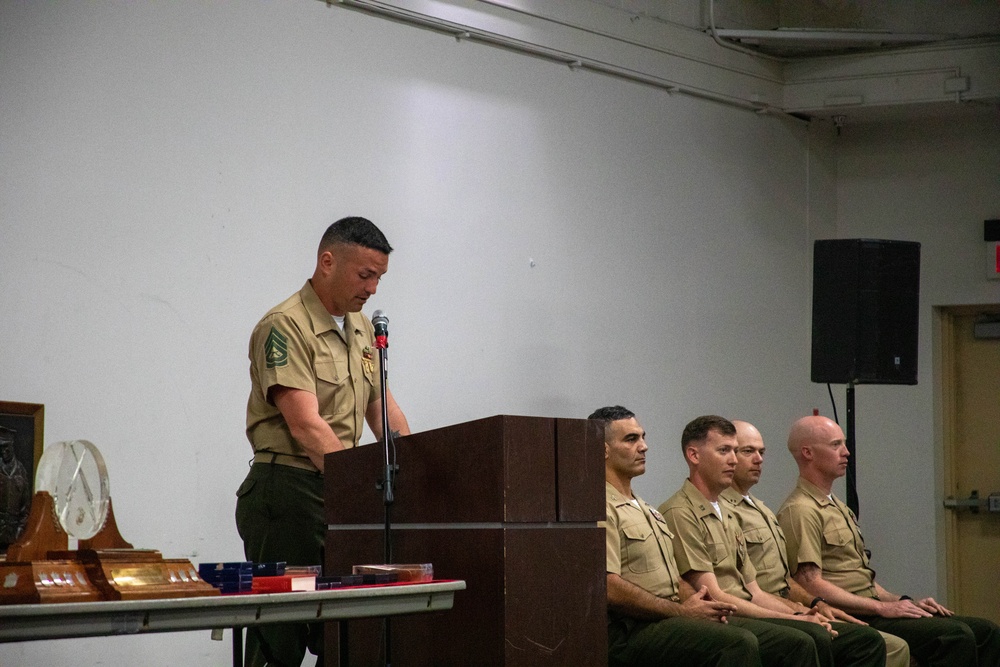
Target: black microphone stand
[[387, 481], [386, 484]]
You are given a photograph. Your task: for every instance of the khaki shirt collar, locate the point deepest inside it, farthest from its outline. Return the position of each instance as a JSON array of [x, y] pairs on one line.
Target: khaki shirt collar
[[732, 496], [321, 319], [615, 496], [699, 503], [758, 504], [822, 499]]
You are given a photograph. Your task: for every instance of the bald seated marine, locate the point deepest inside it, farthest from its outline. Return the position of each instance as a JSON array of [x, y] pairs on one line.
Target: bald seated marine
[[826, 555], [767, 550], [711, 552], [654, 618]]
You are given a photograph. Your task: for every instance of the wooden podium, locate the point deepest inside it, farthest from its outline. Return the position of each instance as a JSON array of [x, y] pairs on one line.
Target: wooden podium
[[509, 504]]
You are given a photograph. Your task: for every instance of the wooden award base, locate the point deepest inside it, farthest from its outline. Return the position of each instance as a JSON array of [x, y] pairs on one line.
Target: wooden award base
[[139, 574], [41, 534], [41, 568], [30, 575], [45, 581]]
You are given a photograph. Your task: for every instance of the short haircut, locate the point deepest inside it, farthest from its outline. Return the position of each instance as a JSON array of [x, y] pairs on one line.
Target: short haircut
[[698, 429], [355, 231], [612, 413]]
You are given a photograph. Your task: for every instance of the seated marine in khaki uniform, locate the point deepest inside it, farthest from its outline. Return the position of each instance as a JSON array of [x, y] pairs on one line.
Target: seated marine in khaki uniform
[[654, 618], [826, 555], [711, 552], [766, 543]]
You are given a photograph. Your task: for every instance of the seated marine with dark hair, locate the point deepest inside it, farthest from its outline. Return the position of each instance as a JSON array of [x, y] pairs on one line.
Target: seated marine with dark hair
[[654, 618]]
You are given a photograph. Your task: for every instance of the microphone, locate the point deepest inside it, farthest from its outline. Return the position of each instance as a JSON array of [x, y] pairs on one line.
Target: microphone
[[381, 324]]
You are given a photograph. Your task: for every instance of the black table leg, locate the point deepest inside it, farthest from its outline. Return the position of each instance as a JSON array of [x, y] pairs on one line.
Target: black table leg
[[237, 647]]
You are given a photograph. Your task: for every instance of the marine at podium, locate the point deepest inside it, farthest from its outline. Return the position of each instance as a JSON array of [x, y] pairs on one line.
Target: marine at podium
[[315, 381]]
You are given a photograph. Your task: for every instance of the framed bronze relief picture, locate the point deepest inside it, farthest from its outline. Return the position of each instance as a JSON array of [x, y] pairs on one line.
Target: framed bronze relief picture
[[21, 437]]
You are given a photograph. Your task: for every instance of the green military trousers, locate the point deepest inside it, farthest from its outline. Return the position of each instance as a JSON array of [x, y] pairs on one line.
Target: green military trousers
[[279, 516]]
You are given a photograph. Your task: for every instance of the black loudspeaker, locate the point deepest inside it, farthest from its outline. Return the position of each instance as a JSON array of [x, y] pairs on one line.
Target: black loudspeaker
[[865, 305]]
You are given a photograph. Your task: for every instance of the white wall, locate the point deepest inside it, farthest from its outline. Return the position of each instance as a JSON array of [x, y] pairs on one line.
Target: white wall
[[167, 169], [934, 182]]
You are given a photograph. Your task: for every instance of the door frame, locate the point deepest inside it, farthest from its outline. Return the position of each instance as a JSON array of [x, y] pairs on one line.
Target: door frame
[[944, 416]]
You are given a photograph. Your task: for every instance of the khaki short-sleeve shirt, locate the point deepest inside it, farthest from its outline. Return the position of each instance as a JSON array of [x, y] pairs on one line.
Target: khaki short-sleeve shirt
[[638, 545], [764, 539], [705, 543], [822, 530], [297, 344]]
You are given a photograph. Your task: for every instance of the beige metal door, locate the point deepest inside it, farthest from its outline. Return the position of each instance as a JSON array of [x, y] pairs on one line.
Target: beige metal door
[[970, 401]]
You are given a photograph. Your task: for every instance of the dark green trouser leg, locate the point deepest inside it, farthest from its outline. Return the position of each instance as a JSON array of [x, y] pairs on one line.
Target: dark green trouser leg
[[781, 645], [945, 641], [679, 641], [987, 636], [857, 645], [854, 646], [279, 515]]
